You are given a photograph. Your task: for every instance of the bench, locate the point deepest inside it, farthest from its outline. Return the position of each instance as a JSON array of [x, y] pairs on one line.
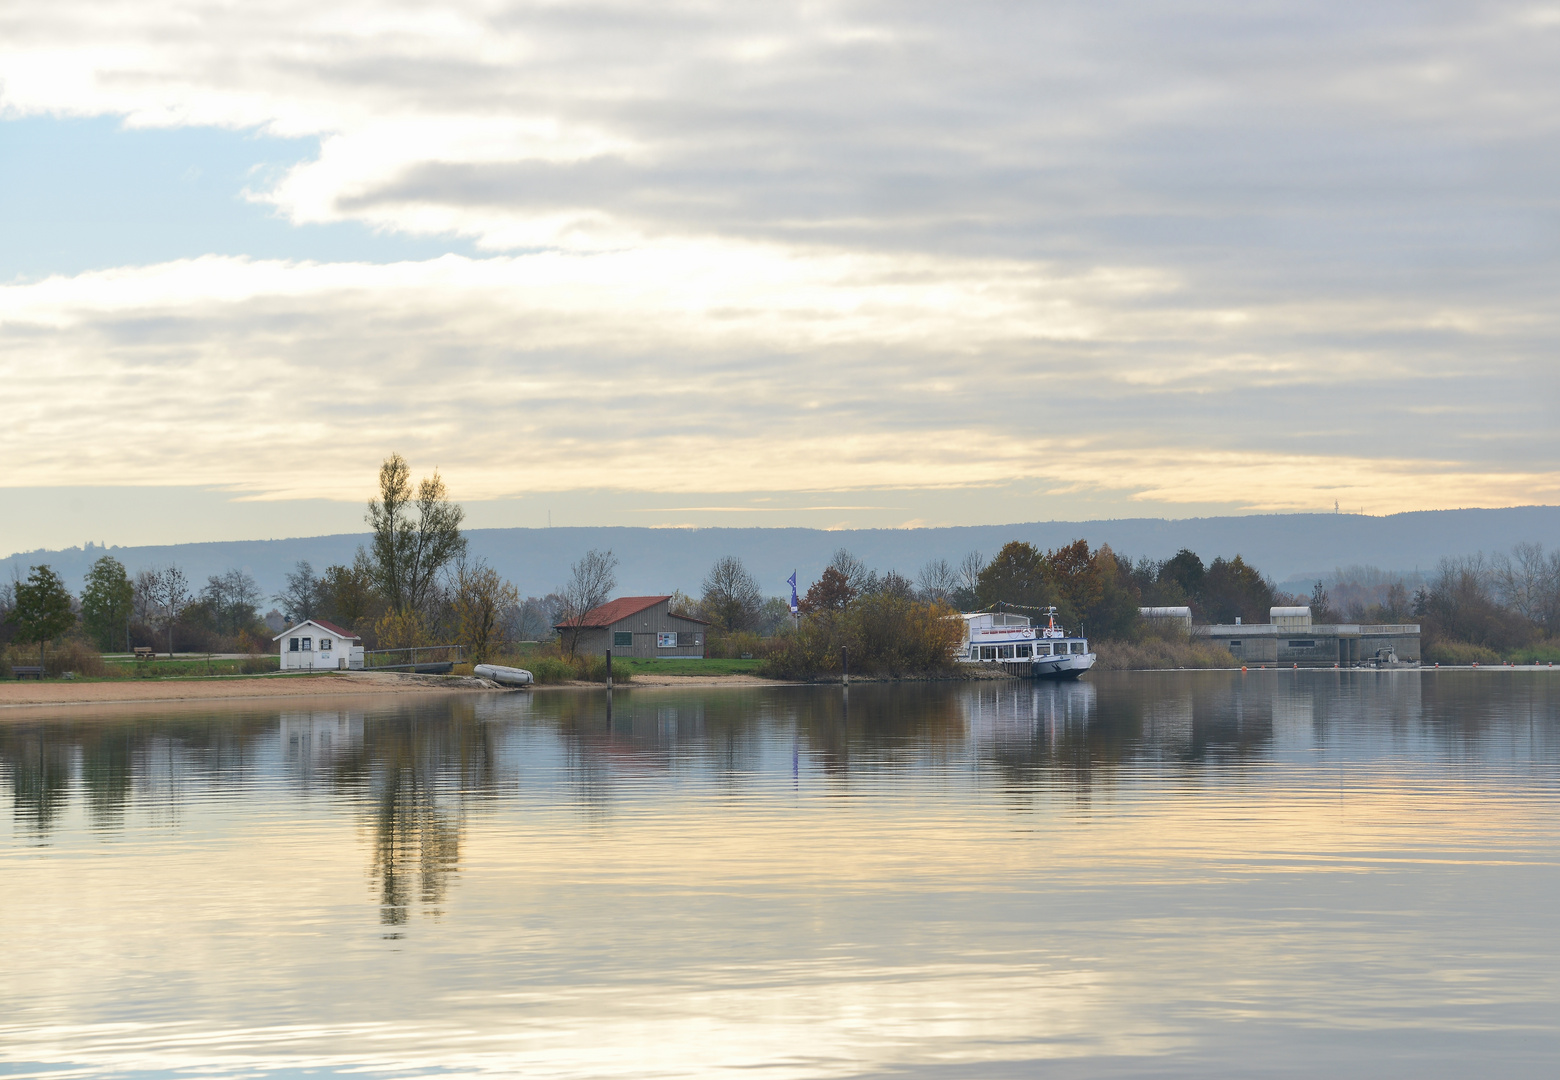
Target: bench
[[27, 671], [142, 652]]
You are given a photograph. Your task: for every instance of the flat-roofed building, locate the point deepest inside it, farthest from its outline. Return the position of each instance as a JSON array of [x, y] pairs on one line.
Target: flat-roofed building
[[1289, 637], [643, 626]]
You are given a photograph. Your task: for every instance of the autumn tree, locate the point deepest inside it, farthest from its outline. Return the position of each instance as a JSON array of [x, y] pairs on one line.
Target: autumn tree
[[831, 592], [480, 601]]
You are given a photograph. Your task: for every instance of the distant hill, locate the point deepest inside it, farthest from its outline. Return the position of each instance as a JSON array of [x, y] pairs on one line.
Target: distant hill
[[1290, 547]]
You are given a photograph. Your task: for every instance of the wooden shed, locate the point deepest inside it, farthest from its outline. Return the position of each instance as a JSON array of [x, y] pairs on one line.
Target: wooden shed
[[641, 626]]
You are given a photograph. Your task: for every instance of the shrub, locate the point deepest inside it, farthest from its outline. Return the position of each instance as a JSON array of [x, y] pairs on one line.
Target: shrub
[[1540, 652], [551, 668], [735, 644], [886, 636], [77, 656], [1459, 652], [1154, 651], [259, 665]]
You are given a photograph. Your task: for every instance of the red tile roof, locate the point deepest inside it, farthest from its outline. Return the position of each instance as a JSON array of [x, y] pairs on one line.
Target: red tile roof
[[614, 611]]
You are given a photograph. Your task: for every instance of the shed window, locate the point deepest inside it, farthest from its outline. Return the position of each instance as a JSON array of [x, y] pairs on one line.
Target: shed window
[[292, 644], [1234, 646], [622, 639], [307, 645], [686, 639], [1302, 644], [324, 644]]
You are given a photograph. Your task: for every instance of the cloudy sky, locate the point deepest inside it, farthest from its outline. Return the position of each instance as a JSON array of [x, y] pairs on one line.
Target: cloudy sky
[[783, 263]]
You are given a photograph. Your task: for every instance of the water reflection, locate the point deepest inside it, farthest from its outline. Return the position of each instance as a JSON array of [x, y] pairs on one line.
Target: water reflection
[[1146, 874]]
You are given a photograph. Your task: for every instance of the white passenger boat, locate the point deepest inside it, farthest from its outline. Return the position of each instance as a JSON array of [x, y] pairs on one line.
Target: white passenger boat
[[1041, 652]]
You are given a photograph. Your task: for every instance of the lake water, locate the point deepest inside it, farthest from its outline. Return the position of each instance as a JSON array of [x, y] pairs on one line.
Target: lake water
[[1160, 874]]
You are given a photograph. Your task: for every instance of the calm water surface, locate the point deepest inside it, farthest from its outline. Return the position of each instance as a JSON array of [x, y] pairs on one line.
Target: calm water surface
[[1299, 873]]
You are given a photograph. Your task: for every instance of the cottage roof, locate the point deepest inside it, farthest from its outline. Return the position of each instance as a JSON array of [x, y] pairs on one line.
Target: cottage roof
[[329, 628], [615, 611]]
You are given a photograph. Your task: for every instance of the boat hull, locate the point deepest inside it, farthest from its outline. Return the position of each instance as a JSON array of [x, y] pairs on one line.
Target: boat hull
[[1047, 667], [504, 676]]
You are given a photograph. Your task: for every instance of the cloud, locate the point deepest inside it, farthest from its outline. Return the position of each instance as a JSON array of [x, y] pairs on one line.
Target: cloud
[[1163, 252]]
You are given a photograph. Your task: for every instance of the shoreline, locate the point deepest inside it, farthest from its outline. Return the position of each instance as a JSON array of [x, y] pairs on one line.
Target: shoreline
[[19, 694]]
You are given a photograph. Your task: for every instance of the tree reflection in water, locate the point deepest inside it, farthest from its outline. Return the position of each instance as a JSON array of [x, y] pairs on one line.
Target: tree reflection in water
[[414, 774]]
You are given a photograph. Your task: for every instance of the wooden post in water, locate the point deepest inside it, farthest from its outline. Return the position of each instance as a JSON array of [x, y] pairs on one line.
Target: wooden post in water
[[845, 662], [609, 670]]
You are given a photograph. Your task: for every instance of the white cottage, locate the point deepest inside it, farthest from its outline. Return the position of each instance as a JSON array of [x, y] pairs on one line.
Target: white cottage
[[316, 645]]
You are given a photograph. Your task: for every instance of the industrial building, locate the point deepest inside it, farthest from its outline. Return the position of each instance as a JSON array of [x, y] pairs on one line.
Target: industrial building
[[1290, 637]]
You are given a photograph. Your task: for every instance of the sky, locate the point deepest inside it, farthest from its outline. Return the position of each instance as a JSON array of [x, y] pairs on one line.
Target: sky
[[828, 264]]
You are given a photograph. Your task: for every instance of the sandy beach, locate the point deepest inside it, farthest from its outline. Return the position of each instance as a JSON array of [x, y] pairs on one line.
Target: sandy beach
[[25, 693]]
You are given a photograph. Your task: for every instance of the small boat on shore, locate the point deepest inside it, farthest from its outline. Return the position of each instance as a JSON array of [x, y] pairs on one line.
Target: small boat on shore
[[1036, 652], [504, 676]]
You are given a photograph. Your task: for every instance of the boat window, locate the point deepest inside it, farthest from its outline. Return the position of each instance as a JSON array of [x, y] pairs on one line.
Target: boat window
[[1079, 647], [1006, 653], [1023, 652], [1042, 650], [988, 652]]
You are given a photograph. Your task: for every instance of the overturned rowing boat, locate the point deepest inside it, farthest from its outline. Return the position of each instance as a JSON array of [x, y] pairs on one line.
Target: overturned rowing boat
[[504, 676]]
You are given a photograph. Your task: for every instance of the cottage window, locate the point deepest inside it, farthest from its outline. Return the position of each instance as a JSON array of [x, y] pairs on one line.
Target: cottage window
[[622, 639], [307, 645], [324, 644], [292, 644]]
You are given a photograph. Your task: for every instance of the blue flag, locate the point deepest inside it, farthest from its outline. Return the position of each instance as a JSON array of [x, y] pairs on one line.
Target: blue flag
[[792, 580]]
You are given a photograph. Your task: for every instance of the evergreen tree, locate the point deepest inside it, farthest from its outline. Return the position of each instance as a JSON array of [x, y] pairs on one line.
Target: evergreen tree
[[42, 611], [106, 603]]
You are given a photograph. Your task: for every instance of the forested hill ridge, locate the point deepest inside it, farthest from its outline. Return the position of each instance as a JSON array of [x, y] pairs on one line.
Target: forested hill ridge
[[1289, 547]]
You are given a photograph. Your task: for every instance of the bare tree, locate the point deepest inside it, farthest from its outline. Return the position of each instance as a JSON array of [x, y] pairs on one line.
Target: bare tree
[[853, 570], [232, 599], [171, 596], [937, 580], [590, 584], [1526, 581], [409, 553], [301, 599], [731, 596], [969, 571]]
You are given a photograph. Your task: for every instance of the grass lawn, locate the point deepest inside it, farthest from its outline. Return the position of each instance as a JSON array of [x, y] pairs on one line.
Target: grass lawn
[[182, 668]]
